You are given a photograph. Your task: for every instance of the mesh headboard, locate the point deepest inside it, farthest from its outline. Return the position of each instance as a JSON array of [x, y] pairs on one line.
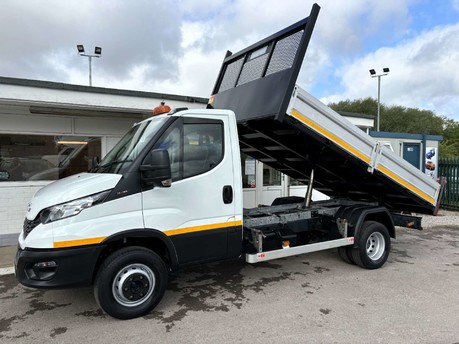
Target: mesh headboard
[[257, 82]]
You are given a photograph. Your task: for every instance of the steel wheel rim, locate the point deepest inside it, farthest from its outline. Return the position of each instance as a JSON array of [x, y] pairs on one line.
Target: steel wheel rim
[[376, 245], [133, 285]]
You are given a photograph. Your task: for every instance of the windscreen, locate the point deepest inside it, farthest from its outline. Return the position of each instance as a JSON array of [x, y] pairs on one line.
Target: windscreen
[[130, 146]]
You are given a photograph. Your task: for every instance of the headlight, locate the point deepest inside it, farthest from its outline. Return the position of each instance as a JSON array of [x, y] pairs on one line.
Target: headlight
[[72, 208]]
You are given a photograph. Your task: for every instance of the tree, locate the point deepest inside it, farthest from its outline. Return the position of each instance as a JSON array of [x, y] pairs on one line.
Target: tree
[[450, 144], [367, 106], [411, 120]]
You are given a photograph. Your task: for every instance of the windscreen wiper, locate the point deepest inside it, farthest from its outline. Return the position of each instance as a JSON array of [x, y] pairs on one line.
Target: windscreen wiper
[[111, 163]]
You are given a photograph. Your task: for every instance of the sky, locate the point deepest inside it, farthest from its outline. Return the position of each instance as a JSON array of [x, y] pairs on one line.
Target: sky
[[177, 46]]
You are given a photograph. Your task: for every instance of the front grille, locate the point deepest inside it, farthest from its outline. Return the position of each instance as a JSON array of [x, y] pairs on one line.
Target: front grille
[[29, 225]]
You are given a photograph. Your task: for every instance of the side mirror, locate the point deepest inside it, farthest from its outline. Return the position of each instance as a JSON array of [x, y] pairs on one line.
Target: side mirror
[[156, 169]]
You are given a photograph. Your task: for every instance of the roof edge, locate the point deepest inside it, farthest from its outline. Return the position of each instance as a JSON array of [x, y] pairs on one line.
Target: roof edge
[[100, 90], [391, 135]]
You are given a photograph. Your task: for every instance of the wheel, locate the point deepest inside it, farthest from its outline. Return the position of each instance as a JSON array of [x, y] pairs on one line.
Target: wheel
[[346, 254], [130, 282], [373, 246]]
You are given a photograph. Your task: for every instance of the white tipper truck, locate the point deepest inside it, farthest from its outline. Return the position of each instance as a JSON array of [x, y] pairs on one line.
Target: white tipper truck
[[169, 194]]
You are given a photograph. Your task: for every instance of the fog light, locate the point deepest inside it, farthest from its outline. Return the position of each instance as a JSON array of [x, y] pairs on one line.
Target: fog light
[[42, 271], [44, 265]]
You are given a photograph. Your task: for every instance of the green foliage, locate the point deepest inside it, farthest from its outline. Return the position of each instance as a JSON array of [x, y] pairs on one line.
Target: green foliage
[[411, 120], [402, 119], [367, 106], [449, 147]]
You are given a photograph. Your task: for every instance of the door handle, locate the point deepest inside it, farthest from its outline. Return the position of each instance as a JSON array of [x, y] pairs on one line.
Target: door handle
[[227, 194]]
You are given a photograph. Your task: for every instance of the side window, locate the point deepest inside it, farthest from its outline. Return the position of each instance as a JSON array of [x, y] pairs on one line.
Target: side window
[[194, 148], [203, 147]]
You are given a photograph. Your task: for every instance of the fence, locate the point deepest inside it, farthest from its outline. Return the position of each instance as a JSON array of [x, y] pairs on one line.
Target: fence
[[449, 168]]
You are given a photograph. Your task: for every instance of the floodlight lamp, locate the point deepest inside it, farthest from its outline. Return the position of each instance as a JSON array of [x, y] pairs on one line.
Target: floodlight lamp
[[97, 50], [80, 48], [386, 70], [372, 72]]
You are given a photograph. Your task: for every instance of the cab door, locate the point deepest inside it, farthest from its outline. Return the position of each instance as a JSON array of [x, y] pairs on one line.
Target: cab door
[[197, 210]]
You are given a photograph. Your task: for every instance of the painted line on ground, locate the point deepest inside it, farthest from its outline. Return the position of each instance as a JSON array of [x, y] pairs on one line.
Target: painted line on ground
[[6, 271]]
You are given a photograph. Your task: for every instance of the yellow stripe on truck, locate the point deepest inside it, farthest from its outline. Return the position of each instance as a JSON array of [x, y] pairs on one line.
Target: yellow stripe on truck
[[171, 232], [202, 228], [79, 242], [405, 184], [330, 136]]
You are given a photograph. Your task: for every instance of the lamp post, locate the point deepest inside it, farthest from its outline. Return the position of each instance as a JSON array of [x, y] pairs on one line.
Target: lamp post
[[374, 75], [97, 53]]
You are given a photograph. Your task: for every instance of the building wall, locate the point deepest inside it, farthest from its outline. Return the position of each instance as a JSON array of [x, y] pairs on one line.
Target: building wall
[[14, 198]]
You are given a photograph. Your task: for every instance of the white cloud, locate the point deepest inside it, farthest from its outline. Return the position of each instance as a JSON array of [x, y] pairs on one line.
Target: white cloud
[[340, 30], [422, 73]]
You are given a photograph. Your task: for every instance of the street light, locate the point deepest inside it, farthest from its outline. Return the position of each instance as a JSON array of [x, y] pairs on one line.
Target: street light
[[97, 53], [374, 75]]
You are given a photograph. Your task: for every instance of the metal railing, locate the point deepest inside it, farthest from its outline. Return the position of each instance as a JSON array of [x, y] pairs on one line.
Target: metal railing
[[449, 168]]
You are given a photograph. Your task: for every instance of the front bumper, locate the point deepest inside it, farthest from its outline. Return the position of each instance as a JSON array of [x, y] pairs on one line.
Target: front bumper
[[57, 268]]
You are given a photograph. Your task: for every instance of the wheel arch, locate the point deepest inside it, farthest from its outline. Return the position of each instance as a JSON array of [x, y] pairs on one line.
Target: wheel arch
[[382, 217], [377, 214], [152, 239], [358, 215]]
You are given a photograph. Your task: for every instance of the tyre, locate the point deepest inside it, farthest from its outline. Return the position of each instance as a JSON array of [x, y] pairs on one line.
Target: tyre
[[130, 282], [373, 246], [345, 254]]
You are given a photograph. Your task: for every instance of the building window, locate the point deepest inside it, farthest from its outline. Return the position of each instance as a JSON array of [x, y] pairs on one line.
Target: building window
[[40, 157], [271, 177]]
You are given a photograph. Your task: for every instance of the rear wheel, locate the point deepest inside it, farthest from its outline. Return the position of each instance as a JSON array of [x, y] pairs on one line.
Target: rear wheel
[[373, 246], [130, 282], [345, 254]]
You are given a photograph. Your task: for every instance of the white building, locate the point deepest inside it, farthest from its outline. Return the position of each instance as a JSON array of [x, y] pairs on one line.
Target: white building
[[50, 130]]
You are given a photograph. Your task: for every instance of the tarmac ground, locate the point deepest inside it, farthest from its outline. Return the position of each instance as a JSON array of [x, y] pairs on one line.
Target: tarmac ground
[[7, 256]]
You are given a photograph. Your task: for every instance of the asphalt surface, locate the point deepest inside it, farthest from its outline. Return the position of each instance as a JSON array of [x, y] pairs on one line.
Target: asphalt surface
[[314, 298]]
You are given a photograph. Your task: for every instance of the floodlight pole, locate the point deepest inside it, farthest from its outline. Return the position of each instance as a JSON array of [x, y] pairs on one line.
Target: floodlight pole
[[379, 94], [90, 77], [374, 75], [97, 53]]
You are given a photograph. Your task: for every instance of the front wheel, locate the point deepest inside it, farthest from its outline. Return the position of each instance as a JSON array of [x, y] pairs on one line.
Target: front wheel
[[373, 246], [130, 282]]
